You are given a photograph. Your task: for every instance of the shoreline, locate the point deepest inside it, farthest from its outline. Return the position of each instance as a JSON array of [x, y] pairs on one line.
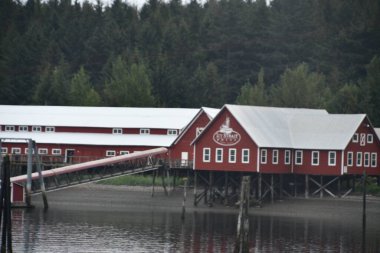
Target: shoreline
[[98, 197]]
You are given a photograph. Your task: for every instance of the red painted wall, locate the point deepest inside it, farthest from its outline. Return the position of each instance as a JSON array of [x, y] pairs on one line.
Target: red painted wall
[[281, 167], [183, 145], [207, 140], [323, 168], [364, 128]]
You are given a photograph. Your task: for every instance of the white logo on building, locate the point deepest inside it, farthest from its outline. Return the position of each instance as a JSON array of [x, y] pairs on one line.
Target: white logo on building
[[226, 136]]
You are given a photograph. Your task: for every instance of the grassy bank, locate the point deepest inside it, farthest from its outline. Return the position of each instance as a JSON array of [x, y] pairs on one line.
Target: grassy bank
[[139, 180]]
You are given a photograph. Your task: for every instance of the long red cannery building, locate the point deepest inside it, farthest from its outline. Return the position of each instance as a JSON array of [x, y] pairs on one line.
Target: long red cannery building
[[280, 141]]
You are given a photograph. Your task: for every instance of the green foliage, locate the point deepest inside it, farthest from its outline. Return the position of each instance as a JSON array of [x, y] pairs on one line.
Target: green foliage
[[81, 91], [299, 87], [191, 55]]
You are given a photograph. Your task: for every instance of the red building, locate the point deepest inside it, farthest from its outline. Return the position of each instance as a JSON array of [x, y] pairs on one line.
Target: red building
[[287, 140], [181, 151], [78, 134]]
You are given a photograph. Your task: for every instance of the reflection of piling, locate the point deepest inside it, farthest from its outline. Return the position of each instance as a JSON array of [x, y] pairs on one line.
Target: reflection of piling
[[241, 244], [5, 206], [364, 212], [184, 199]]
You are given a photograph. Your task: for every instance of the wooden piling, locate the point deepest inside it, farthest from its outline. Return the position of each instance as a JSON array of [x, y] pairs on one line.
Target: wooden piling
[[306, 186], [41, 179], [6, 217], [29, 174], [195, 188], [184, 199], [241, 244], [259, 181]]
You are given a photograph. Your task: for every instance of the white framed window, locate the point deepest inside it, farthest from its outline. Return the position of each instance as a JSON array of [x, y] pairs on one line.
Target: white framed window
[[23, 128], [117, 131], [206, 155], [198, 131], [355, 138], [287, 157], [49, 129], [245, 155], [362, 139], [359, 159], [16, 151], [9, 128], [315, 158], [350, 158], [36, 128], [373, 159], [369, 138], [232, 155], [4, 151], [110, 153], [124, 152], [42, 151], [172, 132], [27, 150], [56, 151], [219, 155], [299, 155], [366, 159], [275, 156], [332, 158], [263, 156], [144, 131]]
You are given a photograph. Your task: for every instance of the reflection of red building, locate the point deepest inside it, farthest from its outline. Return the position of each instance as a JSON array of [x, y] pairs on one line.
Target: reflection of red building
[[284, 140], [181, 152]]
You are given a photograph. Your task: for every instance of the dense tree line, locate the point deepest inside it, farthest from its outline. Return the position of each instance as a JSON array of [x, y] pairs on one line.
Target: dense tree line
[[297, 53]]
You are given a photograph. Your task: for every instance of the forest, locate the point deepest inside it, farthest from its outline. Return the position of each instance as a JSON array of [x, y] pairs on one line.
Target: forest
[[289, 53]]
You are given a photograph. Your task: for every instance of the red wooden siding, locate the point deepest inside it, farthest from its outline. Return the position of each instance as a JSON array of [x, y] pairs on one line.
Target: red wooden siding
[[206, 141], [355, 147], [183, 145], [280, 167], [323, 167]]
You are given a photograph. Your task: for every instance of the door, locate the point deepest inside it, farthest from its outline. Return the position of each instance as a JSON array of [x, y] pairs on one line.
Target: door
[[69, 154]]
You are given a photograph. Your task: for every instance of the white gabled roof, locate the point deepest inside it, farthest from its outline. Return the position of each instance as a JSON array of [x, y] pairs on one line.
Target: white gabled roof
[[296, 128], [149, 140], [110, 117], [377, 131], [211, 112]]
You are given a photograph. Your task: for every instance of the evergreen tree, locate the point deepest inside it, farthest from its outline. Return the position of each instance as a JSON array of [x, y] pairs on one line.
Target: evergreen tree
[[81, 91], [253, 95]]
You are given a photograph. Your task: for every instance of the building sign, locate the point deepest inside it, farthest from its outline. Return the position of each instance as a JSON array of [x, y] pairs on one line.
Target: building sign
[[226, 136]]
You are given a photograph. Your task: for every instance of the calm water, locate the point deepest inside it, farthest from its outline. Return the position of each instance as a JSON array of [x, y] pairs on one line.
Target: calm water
[[86, 231]]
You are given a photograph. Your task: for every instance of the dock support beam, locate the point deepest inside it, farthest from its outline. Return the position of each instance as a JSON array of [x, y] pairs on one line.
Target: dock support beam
[[41, 179], [306, 186], [29, 173], [259, 186]]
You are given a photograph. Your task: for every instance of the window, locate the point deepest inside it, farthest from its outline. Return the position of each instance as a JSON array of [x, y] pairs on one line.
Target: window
[[373, 159], [232, 155], [366, 159], [118, 131], [172, 131], [350, 158], [362, 139], [359, 159], [198, 131], [219, 155], [315, 158], [124, 152], [245, 155], [4, 151], [206, 155], [110, 153], [27, 150], [287, 156], [16, 151], [298, 157], [144, 131], [36, 128], [332, 158], [23, 128], [263, 156], [42, 151], [369, 138], [49, 129], [355, 138], [275, 156], [56, 151], [9, 128]]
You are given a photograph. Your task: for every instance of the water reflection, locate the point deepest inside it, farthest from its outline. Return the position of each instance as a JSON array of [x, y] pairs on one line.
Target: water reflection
[[91, 231]]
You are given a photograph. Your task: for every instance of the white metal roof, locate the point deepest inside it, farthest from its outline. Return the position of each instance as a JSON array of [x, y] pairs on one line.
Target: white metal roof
[[377, 130], [296, 128], [150, 140], [211, 112], [110, 117]]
